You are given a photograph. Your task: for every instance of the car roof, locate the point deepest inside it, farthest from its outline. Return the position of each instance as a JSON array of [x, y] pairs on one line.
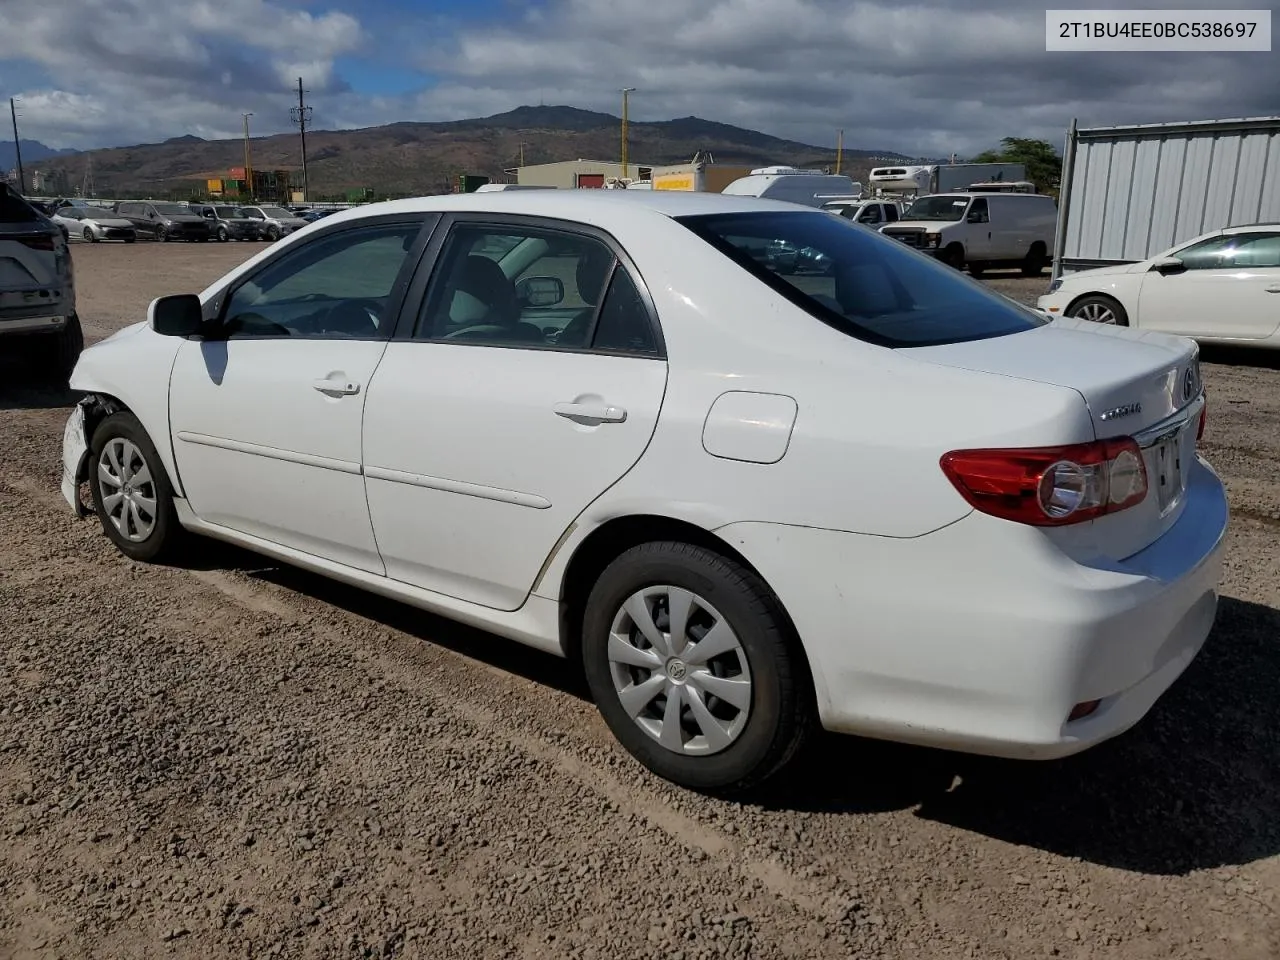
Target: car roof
[[588, 206]]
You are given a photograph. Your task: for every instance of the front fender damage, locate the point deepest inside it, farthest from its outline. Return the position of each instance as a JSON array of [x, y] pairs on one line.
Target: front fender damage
[[92, 409]]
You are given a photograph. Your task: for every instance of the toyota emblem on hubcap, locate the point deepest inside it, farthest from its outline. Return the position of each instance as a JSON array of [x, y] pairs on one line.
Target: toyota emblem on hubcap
[[675, 670]]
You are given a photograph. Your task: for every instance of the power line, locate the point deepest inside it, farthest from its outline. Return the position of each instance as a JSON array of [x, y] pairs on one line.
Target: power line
[[17, 147]]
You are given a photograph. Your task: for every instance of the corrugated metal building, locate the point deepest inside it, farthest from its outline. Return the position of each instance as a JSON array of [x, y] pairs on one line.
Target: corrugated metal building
[[572, 174], [1130, 192]]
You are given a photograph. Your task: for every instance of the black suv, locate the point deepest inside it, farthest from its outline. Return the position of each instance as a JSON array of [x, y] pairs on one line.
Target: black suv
[[164, 221], [228, 222]]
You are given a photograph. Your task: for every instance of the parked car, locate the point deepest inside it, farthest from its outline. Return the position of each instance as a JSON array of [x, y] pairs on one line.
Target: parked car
[[311, 216], [164, 221], [981, 230], [888, 500], [275, 222], [873, 213], [1222, 286], [228, 222], [37, 287], [94, 224]]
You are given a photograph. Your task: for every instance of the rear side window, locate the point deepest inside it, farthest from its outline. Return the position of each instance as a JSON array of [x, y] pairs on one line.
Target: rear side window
[[13, 209], [861, 282]]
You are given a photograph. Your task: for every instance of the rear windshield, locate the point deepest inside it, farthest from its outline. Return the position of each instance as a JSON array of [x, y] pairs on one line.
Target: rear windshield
[[13, 209], [858, 281]]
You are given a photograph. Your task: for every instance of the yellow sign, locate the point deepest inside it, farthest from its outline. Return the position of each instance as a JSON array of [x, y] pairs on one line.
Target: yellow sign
[[673, 181], [214, 186]]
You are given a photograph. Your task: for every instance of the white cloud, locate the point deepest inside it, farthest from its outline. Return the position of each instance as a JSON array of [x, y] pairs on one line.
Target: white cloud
[[924, 75]]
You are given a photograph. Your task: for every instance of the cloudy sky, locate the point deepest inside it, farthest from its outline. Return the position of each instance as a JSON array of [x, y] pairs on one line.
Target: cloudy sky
[[911, 75]]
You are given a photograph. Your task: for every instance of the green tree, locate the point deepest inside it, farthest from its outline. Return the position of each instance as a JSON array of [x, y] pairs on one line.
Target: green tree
[[1044, 166]]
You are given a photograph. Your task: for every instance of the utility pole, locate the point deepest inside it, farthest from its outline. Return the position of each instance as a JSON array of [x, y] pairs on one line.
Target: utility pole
[[626, 92], [248, 164], [839, 150], [17, 148], [301, 115]]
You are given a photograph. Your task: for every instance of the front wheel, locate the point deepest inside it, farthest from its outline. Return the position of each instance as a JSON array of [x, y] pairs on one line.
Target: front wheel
[[162, 234], [273, 234], [1033, 263], [90, 236], [690, 660], [223, 236], [131, 491], [1099, 309]]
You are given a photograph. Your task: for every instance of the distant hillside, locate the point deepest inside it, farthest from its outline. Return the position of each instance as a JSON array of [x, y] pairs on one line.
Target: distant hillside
[[417, 158], [33, 151]]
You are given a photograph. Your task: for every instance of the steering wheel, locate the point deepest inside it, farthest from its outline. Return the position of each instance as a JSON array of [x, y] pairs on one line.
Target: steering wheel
[[372, 309], [479, 331], [256, 323]]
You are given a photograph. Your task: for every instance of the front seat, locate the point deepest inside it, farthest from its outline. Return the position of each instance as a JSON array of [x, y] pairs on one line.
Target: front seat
[[591, 275], [486, 306]]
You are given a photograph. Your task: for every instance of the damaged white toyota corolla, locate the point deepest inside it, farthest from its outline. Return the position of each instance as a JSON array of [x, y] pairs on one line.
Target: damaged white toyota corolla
[[755, 493]]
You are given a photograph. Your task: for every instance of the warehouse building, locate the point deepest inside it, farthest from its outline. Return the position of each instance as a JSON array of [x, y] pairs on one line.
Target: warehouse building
[[578, 174], [1129, 192]]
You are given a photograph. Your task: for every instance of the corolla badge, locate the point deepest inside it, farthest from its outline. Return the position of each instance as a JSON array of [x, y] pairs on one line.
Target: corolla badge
[[1127, 410]]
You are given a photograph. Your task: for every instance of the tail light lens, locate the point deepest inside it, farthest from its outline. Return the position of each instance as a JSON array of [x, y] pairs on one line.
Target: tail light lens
[[38, 241], [1050, 486]]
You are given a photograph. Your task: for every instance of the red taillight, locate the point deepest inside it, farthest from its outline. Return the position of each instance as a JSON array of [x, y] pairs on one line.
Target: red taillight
[[1050, 486], [39, 241]]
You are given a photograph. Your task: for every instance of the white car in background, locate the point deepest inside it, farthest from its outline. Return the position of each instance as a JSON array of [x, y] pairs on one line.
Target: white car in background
[[94, 224], [1221, 287], [606, 424]]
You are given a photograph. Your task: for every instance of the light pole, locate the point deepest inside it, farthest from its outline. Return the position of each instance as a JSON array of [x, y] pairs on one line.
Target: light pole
[[248, 165], [626, 92], [17, 147]]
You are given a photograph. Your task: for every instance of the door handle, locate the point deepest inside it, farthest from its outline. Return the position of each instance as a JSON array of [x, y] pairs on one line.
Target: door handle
[[345, 389], [598, 412]]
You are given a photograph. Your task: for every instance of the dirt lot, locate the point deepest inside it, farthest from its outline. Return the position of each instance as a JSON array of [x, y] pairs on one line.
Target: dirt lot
[[241, 760]]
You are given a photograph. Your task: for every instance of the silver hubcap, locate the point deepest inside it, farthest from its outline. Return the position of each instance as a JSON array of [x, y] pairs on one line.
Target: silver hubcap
[[1096, 312], [679, 670], [128, 490]]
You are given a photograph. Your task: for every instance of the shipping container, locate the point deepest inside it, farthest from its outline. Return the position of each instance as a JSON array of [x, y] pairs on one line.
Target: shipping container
[[590, 181], [1131, 192], [237, 173]]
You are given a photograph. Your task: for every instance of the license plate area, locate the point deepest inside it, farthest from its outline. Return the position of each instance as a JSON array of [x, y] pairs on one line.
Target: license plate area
[[1168, 470]]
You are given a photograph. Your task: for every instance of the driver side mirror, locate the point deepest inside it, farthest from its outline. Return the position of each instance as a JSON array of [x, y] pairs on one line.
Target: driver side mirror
[[1167, 266], [178, 315], [540, 291]]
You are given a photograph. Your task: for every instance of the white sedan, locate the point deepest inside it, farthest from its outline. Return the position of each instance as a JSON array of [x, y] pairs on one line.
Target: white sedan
[[880, 499], [1222, 287]]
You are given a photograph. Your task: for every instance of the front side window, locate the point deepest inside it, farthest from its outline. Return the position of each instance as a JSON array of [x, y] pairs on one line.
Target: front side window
[[861, 282], [514, 286], [1232, 250], [339, 285]]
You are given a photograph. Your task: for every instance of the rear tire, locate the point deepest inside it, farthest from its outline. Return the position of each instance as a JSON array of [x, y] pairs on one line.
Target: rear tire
[[223, 236], [1099, 309], [131, 491], [752, 691], [1034, 262]]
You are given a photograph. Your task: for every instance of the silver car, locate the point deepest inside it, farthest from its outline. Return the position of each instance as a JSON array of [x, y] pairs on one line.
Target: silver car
[[37, 288], [95, 224], [276, 221]]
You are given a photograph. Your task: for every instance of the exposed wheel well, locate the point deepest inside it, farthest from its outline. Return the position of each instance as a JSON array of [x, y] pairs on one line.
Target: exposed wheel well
[[608, 542], [1039, 247]]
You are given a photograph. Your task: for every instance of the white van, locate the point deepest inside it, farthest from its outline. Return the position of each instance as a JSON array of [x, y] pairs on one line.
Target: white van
[[981, 230], [812, 188]]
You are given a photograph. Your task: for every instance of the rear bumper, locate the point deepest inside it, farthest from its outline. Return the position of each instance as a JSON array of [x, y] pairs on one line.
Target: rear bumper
[[982, 637], [31, 324]]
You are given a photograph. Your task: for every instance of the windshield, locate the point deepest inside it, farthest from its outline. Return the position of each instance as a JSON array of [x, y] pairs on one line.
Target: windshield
[[172, 209], [858, 281], [277, 213], [937, 208]]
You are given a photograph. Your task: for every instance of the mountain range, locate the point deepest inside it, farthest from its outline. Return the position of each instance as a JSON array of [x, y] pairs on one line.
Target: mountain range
[[33, 151], [426, 157]]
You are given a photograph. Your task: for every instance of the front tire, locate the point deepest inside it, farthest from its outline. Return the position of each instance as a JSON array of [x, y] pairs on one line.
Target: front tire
[[223, 236], [1099, 309], [90, 236], [162, 234], [690, 660], [131, 491]]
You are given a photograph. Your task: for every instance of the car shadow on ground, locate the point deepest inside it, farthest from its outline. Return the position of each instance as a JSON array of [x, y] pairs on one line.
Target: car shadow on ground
[[1192, 787], [1240, 356], [25, 387]]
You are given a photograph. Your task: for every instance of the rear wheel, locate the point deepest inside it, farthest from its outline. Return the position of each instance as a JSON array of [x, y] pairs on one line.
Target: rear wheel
[[273, 233], [691, 663], [1099, 309], [1033, 263], [131, 491]]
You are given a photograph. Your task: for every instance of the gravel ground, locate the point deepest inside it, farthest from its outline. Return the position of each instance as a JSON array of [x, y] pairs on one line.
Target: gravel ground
[[235, 759]]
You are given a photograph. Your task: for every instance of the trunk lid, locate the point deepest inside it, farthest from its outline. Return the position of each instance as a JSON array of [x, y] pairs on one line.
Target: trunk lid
[[1135, 384], [33, 257]]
